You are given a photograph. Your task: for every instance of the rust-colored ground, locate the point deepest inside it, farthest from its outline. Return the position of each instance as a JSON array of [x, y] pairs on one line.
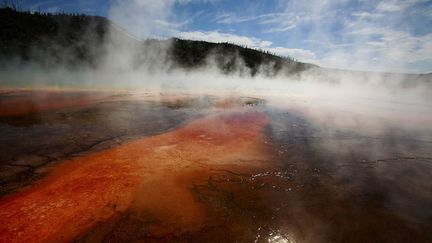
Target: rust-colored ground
[[151, 174], [23, 101]]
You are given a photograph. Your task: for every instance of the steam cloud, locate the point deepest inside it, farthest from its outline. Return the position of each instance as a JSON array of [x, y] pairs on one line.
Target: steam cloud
[[125, 62], [396, 107]]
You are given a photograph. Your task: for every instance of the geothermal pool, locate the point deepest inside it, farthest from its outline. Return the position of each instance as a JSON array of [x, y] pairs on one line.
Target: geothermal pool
[[133, 166]]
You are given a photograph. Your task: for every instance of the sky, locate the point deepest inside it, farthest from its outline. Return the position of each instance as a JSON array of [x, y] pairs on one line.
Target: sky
[[386, 35]]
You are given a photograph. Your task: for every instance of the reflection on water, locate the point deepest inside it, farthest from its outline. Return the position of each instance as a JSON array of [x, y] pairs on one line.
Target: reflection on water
[[366, 176], [234, 169], [280, 239]]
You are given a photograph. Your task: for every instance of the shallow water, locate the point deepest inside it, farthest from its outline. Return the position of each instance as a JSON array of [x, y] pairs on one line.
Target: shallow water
[[207, 168]]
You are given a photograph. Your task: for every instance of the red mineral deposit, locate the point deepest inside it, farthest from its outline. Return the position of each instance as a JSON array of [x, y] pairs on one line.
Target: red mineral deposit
[[151, 174]]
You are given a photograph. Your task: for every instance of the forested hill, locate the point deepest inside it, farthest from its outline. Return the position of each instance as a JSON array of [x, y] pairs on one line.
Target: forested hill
[[74, 40]]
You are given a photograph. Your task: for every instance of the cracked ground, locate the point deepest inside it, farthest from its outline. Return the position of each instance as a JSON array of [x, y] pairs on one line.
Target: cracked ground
[[117, 167]]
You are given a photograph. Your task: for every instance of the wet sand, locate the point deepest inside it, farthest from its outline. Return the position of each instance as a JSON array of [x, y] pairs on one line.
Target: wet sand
[[209, 169]]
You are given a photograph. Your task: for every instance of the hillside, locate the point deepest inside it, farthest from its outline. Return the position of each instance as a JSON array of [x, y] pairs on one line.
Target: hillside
[[75, 40], [62, 38]]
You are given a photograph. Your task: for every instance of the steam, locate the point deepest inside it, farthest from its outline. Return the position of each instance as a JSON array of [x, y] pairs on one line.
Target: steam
[[125, 61], [394, 108], [145, 18]]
